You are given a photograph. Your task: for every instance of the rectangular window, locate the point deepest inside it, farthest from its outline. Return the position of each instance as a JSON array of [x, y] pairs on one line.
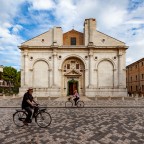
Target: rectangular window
[[142, 76], [136, 88], [77, 66], [73, 40], [131, 79], [131, 88], [142, 87], [142, 63], [68, 66], [136, 77]]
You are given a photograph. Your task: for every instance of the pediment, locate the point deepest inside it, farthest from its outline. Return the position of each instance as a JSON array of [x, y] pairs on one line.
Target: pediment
[[73, 73], [73, 32], [102, 39]]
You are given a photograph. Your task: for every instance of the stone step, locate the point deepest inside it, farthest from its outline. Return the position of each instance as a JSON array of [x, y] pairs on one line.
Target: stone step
[[65, 98]]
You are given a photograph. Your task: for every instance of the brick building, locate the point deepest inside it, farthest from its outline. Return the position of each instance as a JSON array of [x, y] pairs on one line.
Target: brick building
[[135, 77]]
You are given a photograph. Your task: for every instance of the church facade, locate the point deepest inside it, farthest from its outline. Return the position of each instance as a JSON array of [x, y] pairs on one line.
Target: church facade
[[56, 63]]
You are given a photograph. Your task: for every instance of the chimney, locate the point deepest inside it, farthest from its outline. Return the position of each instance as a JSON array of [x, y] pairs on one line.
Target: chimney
[[89, 29]]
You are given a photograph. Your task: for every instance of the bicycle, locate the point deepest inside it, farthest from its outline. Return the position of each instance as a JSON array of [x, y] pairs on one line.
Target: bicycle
[[42, 118], [70, 103]]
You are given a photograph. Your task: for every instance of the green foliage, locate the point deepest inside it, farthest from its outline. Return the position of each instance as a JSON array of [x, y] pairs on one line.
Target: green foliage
[[9, 74], [1, 90], [12, 77]]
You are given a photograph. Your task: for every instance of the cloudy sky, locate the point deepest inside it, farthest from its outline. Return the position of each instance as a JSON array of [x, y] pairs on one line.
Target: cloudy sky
[[21, 20]]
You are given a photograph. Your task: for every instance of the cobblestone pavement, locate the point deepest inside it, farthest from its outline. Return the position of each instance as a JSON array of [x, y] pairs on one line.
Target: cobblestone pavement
[[77, 126], [128, 102]]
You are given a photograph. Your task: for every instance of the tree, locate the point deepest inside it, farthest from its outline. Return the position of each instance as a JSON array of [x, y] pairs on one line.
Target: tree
[[12, 77], [17, 82]]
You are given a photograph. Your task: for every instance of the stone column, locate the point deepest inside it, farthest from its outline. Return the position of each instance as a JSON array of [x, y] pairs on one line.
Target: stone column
[[86, 78], [54, 68], [90, 69], [114, 78], [49, 78], [26, 69], [22, 70], [31, 77], [120, 69]]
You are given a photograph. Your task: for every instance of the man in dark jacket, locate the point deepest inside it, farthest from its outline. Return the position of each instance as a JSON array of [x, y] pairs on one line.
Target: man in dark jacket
[[28, 104]]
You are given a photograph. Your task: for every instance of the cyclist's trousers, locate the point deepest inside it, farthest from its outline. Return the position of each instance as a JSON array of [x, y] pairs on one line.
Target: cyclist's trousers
[[29, 111], [76, 99]]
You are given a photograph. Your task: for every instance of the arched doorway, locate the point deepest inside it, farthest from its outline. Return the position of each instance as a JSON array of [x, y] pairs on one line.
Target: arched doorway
[[73, 71], [72, 86]]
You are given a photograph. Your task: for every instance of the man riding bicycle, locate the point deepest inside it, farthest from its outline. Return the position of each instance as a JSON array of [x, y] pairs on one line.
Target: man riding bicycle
[[28, 104]]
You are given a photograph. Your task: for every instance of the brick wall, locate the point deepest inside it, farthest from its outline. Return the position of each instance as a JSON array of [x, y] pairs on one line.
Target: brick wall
[[135, 77], [67, 37]]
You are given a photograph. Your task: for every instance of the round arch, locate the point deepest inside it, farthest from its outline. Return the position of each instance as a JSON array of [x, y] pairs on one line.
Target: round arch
[[105, 59], [41, 59], [105, 73], [72, 70], [76, 56], [40, 73]]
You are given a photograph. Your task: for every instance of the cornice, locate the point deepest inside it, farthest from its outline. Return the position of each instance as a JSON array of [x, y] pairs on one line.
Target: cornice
[[22, 47]]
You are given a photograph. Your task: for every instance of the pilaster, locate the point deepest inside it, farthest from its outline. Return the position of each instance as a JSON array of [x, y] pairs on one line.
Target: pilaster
[[120, 69], [90, 68], [54, 77]]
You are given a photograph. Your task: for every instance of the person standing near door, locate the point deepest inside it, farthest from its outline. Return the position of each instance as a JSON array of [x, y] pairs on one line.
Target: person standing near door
[[76, 97]]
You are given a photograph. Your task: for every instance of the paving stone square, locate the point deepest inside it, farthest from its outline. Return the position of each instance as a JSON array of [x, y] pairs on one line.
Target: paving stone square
[[106, 125]]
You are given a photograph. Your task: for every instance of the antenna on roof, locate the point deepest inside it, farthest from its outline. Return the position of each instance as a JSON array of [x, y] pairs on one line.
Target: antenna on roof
[[73, 26]]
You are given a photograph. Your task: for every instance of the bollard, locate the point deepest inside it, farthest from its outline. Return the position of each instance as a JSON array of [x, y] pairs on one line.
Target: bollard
[[122, 98], [109, 98], [13, 96], [35, 98], [95, 98], [136, 98], [4, 96], [49, 98]]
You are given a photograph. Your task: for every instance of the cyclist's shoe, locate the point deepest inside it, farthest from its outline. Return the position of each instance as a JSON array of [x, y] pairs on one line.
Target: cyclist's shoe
[[34, 115], [25, 123], [29, 121]]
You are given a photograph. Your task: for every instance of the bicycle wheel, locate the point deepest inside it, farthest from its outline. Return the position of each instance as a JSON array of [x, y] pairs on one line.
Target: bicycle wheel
[[80, 104], [68, 104], [19, 117], [43, 119]]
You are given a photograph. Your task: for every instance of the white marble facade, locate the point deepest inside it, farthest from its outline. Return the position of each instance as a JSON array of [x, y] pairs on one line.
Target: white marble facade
[[95, 68]]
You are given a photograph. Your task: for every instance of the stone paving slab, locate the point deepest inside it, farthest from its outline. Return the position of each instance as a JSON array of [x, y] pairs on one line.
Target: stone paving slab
[[78, 126], [16, 102]]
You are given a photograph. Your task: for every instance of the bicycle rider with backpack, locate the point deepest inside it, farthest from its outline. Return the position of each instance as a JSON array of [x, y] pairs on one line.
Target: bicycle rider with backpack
[[76, 97]]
